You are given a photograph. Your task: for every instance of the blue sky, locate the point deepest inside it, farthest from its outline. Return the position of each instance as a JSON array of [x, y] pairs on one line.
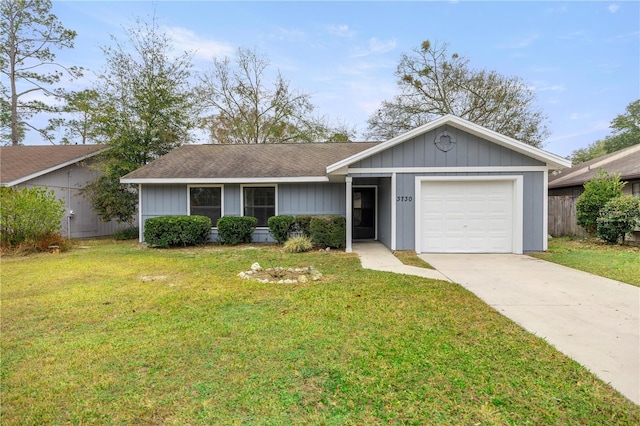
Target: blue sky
[[581, 58]]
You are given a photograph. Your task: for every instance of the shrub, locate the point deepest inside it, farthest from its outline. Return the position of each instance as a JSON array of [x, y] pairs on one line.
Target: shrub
[[597, 191], [168, 231], [236, 229], [302, 223], [298, 244], [28, 214], [280, 227], [618, 217], [328, 231]]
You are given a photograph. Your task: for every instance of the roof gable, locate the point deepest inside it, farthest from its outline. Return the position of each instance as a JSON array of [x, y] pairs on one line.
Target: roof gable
[[551, 160], [625, 162], [19, 164]]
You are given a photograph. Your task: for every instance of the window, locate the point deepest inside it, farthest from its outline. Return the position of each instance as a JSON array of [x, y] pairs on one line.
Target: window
[[635, 189], [206, 201], [260, 202]]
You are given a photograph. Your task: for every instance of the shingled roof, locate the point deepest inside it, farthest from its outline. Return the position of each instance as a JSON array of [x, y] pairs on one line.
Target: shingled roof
[[22, 163], [224, 162], [625, 162]]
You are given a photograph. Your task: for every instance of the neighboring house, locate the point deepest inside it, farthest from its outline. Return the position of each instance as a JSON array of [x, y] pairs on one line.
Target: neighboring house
[[565, 186], [625, 163], [65, 169], [448, 186]]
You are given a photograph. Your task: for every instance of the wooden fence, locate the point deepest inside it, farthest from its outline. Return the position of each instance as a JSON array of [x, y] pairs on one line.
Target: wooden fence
[[562, 217]]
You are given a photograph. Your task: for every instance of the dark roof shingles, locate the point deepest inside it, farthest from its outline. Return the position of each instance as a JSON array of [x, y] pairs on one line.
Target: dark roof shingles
[[625, 162], [17, 162], [248, 161]]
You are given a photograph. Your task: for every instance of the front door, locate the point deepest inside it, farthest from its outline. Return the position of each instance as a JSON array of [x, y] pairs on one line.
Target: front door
[[364, 213]]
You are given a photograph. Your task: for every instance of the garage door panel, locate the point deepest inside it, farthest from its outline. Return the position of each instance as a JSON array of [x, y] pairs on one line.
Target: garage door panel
[[467, 216]]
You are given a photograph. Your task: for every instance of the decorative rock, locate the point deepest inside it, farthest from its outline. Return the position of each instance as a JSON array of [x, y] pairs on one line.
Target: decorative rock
[[256, 267], [302, 279], [242, 275]]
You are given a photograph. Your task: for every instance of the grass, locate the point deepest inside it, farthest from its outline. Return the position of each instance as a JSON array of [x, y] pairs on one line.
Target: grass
[[409, 257], [621, 263], [119, 334]]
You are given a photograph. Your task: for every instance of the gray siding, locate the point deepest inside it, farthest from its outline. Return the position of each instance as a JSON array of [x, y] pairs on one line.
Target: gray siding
[[67, 184], [162, 200], [311, 198], [469, 151], [533, 208], [293, 199]]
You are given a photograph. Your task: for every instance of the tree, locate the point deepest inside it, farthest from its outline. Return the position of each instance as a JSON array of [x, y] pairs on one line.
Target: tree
[[28, 32], [79, 121], [145, 110], [626, 133], [246, 108], [434, 83], [597, 192]]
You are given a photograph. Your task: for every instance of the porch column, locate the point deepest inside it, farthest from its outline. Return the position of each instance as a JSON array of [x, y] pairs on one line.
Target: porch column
[[349, 203]]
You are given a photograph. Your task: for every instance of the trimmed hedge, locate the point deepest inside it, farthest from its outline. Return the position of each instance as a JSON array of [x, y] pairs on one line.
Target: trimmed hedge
[[168, 231], [236, 229], [328, 231], [280, 227], [302, 224]]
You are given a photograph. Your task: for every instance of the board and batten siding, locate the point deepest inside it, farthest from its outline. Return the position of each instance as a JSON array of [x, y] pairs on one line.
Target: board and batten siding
[[469, 151], [533, 208], [293, 199]]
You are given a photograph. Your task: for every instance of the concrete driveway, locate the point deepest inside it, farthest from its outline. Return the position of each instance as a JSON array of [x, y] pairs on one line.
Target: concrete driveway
[[594, 320]]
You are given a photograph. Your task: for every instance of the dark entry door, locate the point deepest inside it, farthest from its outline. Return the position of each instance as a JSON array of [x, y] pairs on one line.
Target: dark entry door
[[364, 213]]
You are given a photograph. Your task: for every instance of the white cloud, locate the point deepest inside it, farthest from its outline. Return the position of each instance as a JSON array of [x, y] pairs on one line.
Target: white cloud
[[613, 8], [187, 40], [519, 43], [595, 127], [545, 87], [379, 46], [579, 116], [287, 34], [341, 30]]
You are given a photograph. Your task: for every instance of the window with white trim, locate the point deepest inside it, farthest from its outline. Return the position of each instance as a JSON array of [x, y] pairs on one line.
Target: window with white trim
[[635, 189], [206, 201], [259, 202]]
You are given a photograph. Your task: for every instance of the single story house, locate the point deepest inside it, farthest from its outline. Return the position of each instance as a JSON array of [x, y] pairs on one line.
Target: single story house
[[65, 169], [448, 186], [565, 186], [625, 163]]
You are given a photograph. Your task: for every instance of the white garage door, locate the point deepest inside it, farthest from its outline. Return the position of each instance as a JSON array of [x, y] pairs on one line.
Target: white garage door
[[467, 216]]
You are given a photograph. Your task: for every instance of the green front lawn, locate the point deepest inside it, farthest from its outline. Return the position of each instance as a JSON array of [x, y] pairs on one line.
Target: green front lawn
[[621, 263], [115, 333]]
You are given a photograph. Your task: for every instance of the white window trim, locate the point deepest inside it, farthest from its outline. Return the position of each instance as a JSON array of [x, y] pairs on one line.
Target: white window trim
[[242, 187], [518, 204], [213, 225]]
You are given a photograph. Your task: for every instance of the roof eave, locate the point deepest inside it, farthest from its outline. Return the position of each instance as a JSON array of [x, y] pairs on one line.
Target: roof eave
[[160, 181]]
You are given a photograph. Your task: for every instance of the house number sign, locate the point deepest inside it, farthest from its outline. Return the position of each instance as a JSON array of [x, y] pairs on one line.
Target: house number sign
[[404, 198]]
